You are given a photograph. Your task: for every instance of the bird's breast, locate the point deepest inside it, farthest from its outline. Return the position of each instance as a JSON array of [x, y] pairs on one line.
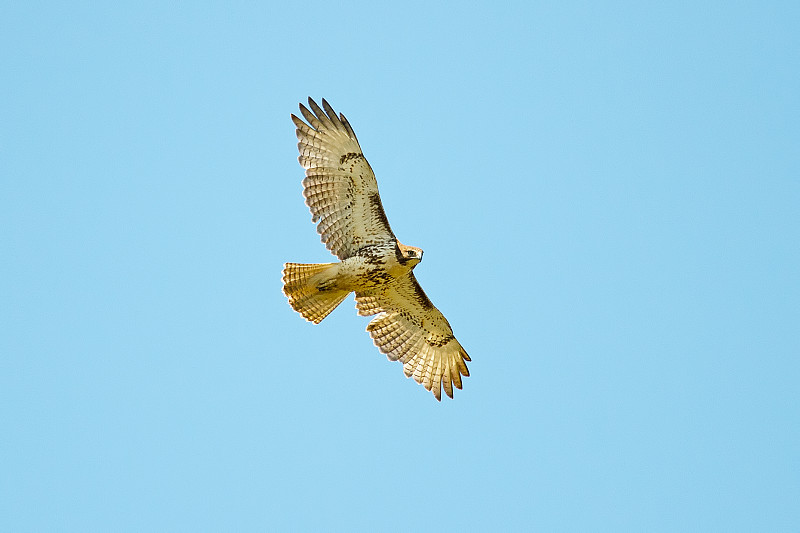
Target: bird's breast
[[370, 271]]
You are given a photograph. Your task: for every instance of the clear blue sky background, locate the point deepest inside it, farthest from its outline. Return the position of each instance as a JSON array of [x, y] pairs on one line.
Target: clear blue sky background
[[608, 195]]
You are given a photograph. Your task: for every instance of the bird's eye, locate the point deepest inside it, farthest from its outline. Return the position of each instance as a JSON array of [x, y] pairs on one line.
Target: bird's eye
[[412, 253]]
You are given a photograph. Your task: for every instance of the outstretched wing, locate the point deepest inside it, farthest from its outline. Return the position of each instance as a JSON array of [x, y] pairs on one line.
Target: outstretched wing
[[340, 187], [411, 330]]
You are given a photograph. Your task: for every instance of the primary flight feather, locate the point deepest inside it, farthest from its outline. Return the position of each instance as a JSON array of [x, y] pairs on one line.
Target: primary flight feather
[[341, 191]]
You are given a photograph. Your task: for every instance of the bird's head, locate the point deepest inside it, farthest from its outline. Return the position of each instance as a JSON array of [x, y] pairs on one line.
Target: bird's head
[[410, 254]]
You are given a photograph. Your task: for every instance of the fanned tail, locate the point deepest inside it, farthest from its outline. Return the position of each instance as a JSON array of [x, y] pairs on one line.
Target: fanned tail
[[304, 285]]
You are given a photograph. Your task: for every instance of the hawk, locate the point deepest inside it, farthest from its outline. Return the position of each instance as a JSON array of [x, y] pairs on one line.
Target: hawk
[[341, 191]]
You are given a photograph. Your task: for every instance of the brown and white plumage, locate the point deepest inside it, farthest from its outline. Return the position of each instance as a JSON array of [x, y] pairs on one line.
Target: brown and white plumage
[[411, 330], [342, 194], [340, 187]]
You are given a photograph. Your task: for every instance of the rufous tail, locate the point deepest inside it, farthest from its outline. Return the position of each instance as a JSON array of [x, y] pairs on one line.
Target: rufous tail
[[303, 285]]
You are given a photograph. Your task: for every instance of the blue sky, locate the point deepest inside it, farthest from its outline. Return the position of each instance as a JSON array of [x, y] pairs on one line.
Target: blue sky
[[608, 196]]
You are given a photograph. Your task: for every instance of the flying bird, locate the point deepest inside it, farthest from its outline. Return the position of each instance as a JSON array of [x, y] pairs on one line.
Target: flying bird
[[341, 191]]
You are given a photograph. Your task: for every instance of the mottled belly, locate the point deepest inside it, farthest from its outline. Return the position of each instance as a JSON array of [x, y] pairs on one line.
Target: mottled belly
[[360, 274]]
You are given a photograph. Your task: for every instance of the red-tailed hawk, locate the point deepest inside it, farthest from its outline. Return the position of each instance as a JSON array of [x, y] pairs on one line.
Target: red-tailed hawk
[[341, 191]]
